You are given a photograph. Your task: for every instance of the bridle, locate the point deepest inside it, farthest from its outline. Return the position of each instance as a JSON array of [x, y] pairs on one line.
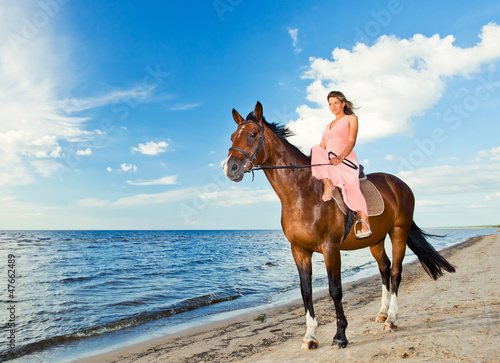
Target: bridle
[[262, 140]]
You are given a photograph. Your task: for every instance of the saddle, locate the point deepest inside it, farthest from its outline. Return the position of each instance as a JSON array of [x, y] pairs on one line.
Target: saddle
[[373, 198]]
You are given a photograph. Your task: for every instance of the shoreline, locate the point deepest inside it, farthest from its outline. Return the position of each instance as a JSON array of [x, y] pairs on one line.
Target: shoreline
[[275, 334]]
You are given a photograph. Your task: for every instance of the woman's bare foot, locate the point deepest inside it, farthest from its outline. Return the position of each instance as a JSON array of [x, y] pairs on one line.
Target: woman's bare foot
[[327, 195], [328, 190], [365, 230]]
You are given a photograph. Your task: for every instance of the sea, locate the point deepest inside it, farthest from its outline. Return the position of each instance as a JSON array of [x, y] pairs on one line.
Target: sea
[[68, 295]]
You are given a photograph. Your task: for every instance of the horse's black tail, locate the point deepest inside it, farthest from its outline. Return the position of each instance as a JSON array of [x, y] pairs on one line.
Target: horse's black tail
[[431, 260]]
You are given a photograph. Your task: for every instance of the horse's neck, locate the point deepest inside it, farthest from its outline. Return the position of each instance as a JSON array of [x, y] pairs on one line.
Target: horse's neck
[[289, 185]]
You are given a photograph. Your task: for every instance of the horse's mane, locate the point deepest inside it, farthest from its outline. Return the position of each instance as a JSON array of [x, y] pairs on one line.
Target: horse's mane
[[279, 130]]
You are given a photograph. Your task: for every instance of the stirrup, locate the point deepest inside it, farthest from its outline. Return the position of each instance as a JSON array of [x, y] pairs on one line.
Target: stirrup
[[363, 234]]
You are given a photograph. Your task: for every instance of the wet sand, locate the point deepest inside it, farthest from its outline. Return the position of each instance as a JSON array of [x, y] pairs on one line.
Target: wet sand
[[454, 319]]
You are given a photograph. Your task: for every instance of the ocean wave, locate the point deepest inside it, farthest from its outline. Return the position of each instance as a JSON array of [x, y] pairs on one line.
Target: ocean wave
[[356, 269], [76, 279], [140, 318], [268, 265], [202, 261]]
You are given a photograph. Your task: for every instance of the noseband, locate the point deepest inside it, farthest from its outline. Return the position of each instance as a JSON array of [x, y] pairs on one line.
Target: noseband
[[262, 139]]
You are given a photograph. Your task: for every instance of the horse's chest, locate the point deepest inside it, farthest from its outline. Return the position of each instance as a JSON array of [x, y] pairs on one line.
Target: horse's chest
[[309, 225], [302, 235]]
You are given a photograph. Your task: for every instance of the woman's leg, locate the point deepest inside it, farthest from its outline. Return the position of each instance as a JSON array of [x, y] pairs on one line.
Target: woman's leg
[[364, 226], [328, 190]]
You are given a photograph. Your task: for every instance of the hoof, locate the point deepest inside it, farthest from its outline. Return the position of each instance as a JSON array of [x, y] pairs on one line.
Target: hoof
[[309, 345], [340, 344], [390, 327], [381, 318]]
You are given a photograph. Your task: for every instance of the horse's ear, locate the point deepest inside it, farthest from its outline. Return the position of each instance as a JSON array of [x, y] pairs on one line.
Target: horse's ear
[[258, 111], [237, 117]]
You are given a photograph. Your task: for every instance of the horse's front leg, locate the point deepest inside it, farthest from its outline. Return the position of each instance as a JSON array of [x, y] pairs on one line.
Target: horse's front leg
[[332, 261], [303, 261]]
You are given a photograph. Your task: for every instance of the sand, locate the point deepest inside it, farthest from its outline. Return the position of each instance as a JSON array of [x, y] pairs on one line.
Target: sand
[[454, 319]]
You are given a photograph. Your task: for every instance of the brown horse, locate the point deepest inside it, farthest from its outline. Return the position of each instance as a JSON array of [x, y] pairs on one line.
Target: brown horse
[[312, 225]]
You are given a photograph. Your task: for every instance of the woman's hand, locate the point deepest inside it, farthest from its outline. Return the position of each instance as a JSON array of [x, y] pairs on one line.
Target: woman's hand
[[336, 160]]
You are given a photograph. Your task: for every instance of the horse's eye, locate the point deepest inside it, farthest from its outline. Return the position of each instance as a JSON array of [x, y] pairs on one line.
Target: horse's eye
[[253, 135]]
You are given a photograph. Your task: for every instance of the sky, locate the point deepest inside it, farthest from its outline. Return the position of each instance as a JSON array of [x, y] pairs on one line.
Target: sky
[[117, 114]]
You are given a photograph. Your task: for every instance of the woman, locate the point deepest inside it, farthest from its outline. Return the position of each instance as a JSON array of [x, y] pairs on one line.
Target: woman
[[339, 138]]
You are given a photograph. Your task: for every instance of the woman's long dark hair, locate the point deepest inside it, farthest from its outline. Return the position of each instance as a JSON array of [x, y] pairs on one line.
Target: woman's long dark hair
[[349, 106]]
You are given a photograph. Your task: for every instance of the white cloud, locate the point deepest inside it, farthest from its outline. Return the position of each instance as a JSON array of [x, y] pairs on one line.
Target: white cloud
[[182, 107], [87, 151], [169, 197], [46, 167], [294, 33], [237, 196], [25, 143], [92, 203], [196, 198], [432, 203], [447, 179], [492, 197], [138, 94], [392, 80], [166, 180], [493, 154], [109, 169], [30, 90], [37, 117], [423, 206], [78, 135], [477, 206], [10, 207], [128, 167], [173, 196], [13, 171], [151, 148]]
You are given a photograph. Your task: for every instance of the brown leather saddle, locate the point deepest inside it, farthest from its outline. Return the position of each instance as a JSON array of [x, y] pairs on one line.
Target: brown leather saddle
[[373, 198]]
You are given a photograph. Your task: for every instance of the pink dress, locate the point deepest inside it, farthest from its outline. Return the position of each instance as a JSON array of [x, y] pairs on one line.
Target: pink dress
[[341, 175]]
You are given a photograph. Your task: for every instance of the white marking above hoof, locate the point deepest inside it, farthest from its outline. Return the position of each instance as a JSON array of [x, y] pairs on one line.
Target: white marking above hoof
[[310, 345], [390, 327], [381, 318]]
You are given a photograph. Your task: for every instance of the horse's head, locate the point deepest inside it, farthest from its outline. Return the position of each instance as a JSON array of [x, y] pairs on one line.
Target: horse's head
[[248, 144]]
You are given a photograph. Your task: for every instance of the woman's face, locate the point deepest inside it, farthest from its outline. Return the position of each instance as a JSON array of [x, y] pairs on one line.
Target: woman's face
[[336, 106]]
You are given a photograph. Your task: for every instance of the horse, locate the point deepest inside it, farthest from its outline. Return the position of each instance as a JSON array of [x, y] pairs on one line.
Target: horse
[[311, 225]]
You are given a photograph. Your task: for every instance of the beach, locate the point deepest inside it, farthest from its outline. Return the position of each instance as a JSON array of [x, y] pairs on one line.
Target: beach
[[455, 319]]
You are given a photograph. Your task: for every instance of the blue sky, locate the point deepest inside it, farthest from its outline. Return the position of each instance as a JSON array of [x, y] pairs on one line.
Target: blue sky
[[117, 114]]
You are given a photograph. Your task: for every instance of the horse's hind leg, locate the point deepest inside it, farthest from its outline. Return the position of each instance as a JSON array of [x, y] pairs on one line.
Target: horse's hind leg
[[332, 261], [384, 266], [399, 236]]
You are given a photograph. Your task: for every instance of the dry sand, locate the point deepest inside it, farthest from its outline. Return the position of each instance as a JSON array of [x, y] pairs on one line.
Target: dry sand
[[454, 319]]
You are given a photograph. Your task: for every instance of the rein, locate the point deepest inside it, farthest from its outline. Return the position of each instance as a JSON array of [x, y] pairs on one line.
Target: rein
[[262, 139], [347, 162]]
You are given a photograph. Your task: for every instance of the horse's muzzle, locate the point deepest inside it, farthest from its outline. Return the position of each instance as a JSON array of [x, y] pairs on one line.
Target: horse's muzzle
[[235, 169]]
